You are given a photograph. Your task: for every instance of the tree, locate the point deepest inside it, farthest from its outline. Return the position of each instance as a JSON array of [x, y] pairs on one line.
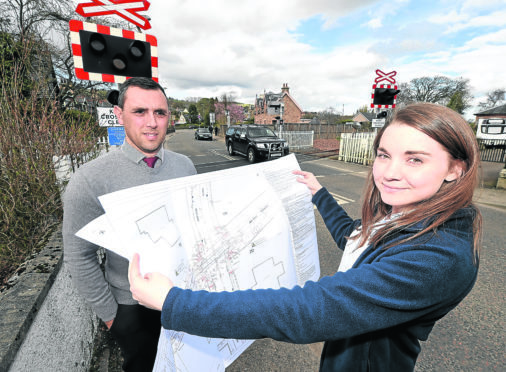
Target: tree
[[456, 103], [34, 17], [437, 89], [46, 23], [329, 116], [205, 106], [194, 114], [15, 62], [236, 113], [494, 98], [365, 108]]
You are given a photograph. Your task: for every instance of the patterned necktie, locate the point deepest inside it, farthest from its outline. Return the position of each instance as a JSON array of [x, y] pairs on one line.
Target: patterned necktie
[[151, 161]]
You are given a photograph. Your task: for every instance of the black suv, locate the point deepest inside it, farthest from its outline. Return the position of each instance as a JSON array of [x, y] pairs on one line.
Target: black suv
[[255, 142]]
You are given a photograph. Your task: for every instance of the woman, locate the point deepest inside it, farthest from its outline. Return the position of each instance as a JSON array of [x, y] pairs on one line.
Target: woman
[[410, 260]]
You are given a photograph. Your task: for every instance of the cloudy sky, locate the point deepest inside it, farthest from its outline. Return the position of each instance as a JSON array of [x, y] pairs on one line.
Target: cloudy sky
[[326, 50]]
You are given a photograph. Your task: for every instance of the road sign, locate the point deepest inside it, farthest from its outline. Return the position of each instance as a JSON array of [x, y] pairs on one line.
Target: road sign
[[116, 135], [106, 117], [385, 76], [103, 53], [126, 9], [378, 123]]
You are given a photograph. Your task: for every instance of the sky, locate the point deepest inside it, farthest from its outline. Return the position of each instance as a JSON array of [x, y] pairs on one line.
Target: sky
[[327, 51]]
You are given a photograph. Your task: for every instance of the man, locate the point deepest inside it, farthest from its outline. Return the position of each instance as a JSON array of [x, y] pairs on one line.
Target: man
[[143, 111]]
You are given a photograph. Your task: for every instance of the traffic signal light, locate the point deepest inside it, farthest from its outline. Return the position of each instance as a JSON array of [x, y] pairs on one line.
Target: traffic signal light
[[382, 115], [384, 96], [111, 55]]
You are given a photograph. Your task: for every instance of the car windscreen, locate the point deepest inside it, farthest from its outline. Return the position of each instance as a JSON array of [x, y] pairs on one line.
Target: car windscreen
[[261, 132], [205, 130]]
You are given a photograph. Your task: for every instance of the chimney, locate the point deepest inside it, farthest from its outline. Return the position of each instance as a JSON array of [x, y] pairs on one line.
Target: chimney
[[285, 88]]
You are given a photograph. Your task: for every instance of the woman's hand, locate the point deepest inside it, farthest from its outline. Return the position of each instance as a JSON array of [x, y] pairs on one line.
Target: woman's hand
[[149, 290], [309, 180]]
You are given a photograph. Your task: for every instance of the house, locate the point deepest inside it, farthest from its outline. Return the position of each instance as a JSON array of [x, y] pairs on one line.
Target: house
[[271, 107], [364, 117], [491, 126], [498, 112]]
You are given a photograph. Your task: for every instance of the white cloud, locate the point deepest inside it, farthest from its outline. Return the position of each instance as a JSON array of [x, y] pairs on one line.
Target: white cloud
[[207, 48], [375, 23]]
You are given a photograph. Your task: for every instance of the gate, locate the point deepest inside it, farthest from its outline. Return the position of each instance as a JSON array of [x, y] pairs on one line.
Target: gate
[[492, 150], [357, 147]]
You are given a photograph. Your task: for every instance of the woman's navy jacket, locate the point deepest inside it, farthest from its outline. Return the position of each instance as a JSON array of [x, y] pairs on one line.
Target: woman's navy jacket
[[371, 316]]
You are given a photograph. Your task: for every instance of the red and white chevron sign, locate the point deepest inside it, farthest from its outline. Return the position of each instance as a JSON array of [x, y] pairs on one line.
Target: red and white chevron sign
[[76, 26], [385, 76], [127, 9]]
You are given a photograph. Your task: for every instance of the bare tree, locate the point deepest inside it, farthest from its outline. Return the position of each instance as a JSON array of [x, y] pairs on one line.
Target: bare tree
[[33, 17], [46, 22], [494, 98], [436, 89]]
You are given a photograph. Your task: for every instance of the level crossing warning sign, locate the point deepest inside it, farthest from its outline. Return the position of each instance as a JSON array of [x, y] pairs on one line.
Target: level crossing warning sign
[[112, 55], [126, 9]]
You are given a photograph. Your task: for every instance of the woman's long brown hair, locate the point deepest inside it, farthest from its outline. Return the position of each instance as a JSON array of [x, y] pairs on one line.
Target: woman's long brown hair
[[451, 130]]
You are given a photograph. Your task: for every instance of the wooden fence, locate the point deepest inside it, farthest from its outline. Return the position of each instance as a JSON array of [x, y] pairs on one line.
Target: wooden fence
[[357, 147]]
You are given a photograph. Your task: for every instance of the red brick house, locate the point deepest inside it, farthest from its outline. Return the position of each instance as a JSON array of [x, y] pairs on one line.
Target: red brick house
[[271, 107]]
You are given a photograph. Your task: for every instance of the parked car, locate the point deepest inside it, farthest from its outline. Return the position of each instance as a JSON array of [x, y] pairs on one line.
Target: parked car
[[255, 142], [203, 133]]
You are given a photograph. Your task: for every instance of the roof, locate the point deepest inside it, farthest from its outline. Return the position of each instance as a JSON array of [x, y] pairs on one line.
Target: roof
[[499, 110], [368, 115], [293, 100], [275, 99]]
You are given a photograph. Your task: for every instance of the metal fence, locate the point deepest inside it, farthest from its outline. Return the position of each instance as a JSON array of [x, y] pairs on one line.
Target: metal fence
[[322, 131], [297, 140], [357, 147], [492, 150]]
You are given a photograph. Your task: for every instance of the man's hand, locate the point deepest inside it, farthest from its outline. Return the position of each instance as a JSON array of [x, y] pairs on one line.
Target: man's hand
[[149, 290], [309, 180], [108, 324]]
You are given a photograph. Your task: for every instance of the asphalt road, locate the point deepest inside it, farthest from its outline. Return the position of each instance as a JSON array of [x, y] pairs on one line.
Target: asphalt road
[[470, 338]]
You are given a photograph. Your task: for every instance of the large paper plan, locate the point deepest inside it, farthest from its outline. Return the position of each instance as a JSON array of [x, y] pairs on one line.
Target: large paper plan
[[241, 228]]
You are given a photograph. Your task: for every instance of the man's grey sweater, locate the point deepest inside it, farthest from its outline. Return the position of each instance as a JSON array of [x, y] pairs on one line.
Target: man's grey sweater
[[117, 170]]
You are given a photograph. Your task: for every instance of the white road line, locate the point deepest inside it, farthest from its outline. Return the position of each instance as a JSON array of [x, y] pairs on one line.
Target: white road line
[[353, 173], [228, 157], [340, 199]]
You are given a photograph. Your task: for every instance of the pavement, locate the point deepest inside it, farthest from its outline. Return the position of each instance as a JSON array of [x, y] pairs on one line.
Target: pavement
[[488, 193]]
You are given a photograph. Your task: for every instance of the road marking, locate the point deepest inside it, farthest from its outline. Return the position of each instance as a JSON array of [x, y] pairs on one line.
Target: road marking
[[228, 157], [341, 200], [362, 174]]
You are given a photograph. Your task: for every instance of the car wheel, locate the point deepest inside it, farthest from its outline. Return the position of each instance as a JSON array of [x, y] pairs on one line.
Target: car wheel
[[230, 149], [251, 155]]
